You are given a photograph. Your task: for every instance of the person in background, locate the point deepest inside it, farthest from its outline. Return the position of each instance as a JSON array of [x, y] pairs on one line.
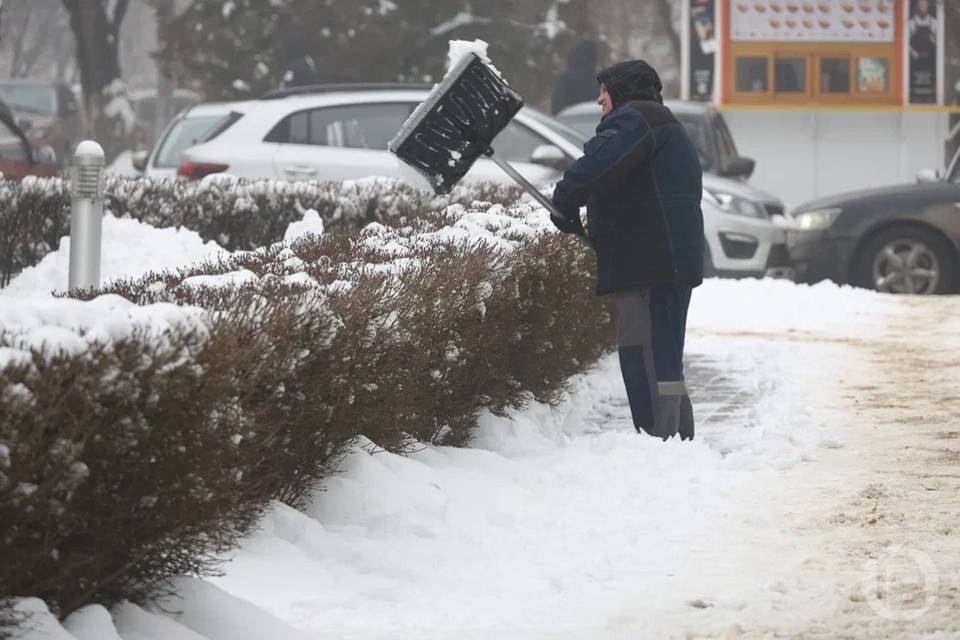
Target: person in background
[[641, 180], [578, 82], [299, 70]]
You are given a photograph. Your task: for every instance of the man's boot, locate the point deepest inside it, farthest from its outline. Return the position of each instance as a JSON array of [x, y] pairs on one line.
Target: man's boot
[[686, 418], [669, 404]]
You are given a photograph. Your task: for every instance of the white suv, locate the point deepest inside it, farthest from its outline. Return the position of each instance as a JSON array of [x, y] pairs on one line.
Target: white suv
[[341, 132], [333, 134]]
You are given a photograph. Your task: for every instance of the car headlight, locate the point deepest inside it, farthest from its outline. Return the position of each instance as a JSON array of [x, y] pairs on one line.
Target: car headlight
[[815, 220], [735, 204]]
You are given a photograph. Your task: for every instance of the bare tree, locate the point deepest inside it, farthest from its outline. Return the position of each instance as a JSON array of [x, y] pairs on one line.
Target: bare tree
[[648, 30], [665, 12], [96, 30], [35, 40]]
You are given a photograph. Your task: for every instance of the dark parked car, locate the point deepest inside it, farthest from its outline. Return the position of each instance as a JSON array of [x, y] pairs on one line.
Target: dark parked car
[[48, 112], [19, 158], [903, 239]]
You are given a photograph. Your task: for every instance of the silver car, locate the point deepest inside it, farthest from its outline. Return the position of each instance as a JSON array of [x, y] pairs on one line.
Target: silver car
[[744, 226]]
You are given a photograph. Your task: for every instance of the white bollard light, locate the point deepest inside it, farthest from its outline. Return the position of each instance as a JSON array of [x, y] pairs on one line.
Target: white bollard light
[[86, 215]]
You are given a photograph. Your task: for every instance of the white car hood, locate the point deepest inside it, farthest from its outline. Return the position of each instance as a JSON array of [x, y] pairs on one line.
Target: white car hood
[[715, 183]]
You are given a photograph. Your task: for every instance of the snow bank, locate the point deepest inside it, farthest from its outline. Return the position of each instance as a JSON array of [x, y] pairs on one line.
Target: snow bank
[[745, 306], [557, 522], [200, 611], [130, 248], [40, 625]]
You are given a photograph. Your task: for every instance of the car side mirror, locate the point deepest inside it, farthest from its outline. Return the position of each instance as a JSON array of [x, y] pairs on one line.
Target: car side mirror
[[740, 167], [25, 124], [927, 176], [139, 160], [548, 155], [45, 155]]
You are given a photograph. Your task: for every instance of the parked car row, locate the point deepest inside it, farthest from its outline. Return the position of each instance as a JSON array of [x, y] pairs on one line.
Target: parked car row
[[339, 132], [899, 240]]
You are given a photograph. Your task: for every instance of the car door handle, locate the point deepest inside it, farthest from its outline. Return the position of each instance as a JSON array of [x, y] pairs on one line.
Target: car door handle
[[300, 170]]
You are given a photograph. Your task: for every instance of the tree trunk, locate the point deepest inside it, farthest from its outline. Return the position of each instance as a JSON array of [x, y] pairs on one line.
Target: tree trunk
[[98, 42], [665, 12], [165, 104]]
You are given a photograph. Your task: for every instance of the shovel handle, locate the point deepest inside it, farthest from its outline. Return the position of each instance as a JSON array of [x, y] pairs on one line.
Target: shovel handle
[[529, 188]]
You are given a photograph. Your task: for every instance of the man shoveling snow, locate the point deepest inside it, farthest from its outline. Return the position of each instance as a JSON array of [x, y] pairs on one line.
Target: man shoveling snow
[[640, 179]]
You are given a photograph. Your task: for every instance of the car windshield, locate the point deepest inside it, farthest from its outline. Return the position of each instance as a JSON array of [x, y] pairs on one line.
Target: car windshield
[[699, 134], [585, 123], [31, 98], [568, 132], [728, 148], [185, 133]]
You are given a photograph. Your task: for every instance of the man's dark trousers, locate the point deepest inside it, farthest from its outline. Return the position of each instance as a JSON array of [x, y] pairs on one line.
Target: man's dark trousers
[[652, 331]]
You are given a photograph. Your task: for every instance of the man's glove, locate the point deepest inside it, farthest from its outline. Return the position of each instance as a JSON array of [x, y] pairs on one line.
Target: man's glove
[[570, 222], [567, 225]]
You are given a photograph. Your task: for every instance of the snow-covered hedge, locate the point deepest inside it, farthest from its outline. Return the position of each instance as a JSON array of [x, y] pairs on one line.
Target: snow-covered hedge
[[138, 453], [237, 214]]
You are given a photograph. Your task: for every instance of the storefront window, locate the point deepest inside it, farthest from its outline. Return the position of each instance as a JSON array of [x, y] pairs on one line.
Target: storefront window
[[834, 75], [752, 75], [790, 75], [872, 75]]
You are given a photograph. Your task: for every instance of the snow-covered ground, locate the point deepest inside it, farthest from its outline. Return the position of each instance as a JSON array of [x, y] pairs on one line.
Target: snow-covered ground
[[564, 523]]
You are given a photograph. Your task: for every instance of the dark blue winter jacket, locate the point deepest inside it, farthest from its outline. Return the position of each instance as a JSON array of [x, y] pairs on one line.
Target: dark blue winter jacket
[[641, 180]]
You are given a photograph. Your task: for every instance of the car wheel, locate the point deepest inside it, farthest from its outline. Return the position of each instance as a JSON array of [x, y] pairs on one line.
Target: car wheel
[[906, 259]]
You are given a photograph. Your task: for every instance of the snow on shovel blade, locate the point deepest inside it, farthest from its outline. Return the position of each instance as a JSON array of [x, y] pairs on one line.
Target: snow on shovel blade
[[457, 123]]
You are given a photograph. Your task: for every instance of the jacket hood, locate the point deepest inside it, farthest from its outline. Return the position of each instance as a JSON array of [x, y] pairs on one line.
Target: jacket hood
[[583, 55], [631, 80]]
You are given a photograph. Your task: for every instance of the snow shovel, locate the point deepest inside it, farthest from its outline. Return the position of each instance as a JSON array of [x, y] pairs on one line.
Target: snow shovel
[[456, 125]]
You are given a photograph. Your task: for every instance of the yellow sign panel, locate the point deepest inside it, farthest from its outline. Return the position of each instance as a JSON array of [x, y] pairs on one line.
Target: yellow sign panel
[[813, 21]]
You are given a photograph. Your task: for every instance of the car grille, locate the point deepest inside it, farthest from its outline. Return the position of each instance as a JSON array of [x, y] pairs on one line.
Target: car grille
[[738, 246]]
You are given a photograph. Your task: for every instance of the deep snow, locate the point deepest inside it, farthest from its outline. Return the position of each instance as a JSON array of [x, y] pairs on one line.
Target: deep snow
[[559, 522]]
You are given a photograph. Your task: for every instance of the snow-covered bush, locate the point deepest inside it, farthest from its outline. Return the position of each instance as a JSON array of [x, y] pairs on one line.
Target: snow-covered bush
[[238, 214], [133, 460], [130, 451]]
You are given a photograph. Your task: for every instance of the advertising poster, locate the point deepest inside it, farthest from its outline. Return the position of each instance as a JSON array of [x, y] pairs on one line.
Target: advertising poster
[[813, 21], [921, 33], [703, 48], [952, 50]]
